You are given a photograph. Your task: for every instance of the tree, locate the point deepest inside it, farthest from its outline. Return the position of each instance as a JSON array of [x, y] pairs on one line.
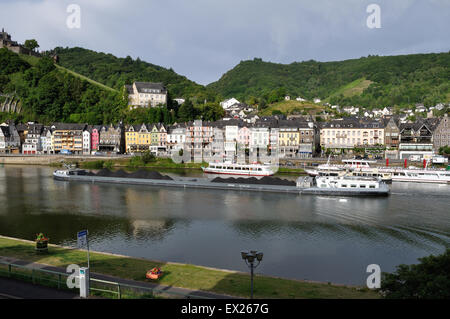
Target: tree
[[31, 44], [430, 279], [186, 112]]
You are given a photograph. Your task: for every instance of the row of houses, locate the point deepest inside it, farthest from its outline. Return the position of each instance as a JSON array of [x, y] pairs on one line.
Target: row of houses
[[294, 138], [33, 138], [397, 139]]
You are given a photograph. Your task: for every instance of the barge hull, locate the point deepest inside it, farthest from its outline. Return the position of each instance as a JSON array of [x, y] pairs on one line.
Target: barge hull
[[194, 183]]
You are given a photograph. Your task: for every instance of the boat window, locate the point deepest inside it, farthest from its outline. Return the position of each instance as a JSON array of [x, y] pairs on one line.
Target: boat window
[[362, 186], [354, 186], [343, 185], [372, 186]]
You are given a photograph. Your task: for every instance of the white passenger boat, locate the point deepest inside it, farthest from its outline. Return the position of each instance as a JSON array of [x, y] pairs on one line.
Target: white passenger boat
[[239, 169], [344, 185], [352, 167], [420, 175]]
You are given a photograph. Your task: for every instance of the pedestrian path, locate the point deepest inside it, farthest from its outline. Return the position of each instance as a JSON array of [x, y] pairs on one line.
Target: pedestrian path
[[182, 292]]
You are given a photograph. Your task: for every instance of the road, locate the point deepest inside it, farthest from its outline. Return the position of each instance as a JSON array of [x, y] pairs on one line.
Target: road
[[16, 289]]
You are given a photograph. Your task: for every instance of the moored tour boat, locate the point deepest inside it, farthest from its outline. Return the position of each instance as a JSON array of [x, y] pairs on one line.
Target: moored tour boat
[[239, 169], [345, 186]]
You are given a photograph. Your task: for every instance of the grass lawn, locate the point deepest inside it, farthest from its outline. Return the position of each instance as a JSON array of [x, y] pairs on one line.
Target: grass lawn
[[183, 275], [290, 107], [85, 78], [354, 88]]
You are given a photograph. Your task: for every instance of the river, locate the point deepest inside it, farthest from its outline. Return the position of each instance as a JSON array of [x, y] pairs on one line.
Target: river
[[330, 239]]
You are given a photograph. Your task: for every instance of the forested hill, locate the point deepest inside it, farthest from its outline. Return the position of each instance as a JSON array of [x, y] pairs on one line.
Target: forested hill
[[372, 81], [115, 72], [49, 94]]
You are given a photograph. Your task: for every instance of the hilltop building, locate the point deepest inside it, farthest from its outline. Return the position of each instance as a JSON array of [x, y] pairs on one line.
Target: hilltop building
[[6, 42], [146, 94]]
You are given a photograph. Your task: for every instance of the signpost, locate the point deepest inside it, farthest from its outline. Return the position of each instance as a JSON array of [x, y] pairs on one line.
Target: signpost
[[82, 240]]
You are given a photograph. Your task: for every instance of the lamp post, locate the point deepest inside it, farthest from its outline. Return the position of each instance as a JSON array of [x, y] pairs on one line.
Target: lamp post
[[249, 258]]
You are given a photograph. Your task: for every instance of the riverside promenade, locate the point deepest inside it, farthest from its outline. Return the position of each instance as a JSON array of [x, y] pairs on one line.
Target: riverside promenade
[[11, 285]]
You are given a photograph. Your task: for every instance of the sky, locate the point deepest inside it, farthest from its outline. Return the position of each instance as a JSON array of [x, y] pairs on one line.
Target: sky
[[203, 39]]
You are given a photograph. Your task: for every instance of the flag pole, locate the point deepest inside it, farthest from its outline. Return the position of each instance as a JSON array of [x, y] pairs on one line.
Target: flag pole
[[87, 242]]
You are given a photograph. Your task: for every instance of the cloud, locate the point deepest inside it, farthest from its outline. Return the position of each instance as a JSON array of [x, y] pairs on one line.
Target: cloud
[[202, 39]]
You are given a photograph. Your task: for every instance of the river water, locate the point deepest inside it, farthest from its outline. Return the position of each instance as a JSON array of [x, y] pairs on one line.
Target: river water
[[331, 239]]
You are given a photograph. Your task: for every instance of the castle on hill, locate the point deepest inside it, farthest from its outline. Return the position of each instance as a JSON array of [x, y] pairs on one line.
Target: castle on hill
[[6, 42]]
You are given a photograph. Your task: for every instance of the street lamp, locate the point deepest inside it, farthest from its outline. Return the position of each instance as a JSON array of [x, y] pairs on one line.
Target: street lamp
[[249, 258]]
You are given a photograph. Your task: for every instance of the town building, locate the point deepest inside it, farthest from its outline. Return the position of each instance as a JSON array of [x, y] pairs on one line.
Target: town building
[[9, 138], [68, 137], [94, 131], [33, 142], [112, 139], [416, 139], [348, 133], [176, 137], [229, 103], [46, 141], [441, 134], [137, 139], [198, 142], [392, 137], [86, 141], [146, 94]]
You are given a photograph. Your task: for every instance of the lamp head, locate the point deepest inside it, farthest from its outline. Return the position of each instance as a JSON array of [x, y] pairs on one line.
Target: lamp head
[[244, 254], [259, 256]]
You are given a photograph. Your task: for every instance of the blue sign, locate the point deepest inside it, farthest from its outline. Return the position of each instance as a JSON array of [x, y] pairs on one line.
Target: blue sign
[[82, 238], [82, 233]]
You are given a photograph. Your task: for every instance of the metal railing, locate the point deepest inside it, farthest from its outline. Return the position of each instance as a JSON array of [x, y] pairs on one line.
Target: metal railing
[[58, 280]]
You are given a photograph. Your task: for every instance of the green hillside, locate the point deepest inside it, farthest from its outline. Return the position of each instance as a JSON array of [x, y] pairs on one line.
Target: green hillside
[[373, 81], [114, 72], [52, 93]]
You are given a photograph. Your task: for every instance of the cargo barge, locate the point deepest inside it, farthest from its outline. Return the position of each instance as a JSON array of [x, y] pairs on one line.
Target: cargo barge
[[303, 185]]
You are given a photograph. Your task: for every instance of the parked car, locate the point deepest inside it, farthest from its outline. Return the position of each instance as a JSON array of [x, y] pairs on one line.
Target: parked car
[[65, 152]]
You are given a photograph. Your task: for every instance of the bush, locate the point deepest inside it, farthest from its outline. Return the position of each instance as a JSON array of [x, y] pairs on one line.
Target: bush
[[148, 157], [430, 279], [93, 165], [136, 161]]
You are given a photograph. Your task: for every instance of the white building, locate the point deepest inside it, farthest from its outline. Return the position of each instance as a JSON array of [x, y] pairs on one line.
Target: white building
[[46, 141], [317, 100], [86, 142], [300, 99], [146, 94], [259, 137], [231, 137], [32, 143], [179, 100], [176, 137], [229, 103]]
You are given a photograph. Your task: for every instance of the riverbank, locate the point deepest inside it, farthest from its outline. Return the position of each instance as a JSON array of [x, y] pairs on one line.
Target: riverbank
[[182, 275]]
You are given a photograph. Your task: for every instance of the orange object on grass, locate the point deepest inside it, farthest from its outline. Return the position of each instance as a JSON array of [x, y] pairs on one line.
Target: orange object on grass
[[155, 273]]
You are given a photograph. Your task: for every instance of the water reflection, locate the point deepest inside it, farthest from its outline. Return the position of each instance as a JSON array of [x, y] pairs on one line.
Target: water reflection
[[305, 237]]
